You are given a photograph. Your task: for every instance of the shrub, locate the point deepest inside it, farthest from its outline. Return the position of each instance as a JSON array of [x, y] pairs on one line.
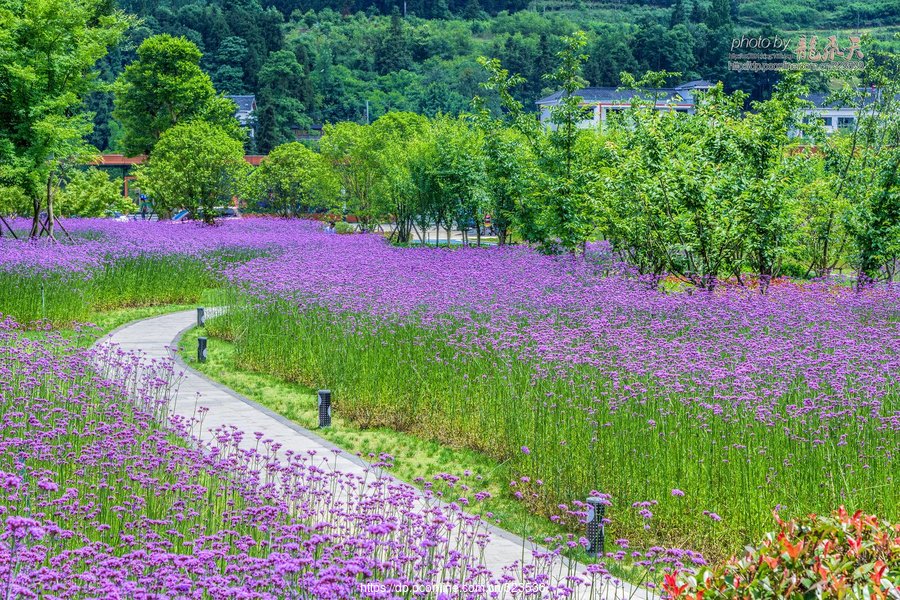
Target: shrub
[[344, 228], [837, 556]]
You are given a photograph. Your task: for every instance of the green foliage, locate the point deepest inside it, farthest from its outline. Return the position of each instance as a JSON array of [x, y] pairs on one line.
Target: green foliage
[[709, 195], [91, 193], [342, 228], [292, 180], [868, 171], [351, 150], [166, 86], [400, 140], [510, 160], [767, 177], [13, 201], [835, 556], [196, 166], [821, 239], [568, 216], [228, 74], [285, 93], [48, 51], [457, 174]]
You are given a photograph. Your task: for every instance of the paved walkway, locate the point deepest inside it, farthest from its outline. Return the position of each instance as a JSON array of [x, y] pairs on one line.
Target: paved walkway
[[157, 337]]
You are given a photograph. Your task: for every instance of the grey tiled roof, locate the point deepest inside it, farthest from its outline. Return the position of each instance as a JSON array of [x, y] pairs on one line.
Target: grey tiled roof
[[826, 100], [610, 94], [244, 103], [697, 84]]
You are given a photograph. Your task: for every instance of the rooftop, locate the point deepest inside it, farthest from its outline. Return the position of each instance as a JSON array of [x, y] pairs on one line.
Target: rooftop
[[244, 103], [683, 92]]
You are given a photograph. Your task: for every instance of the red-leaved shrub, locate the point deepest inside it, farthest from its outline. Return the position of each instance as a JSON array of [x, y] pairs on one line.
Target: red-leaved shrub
[[836, 556]]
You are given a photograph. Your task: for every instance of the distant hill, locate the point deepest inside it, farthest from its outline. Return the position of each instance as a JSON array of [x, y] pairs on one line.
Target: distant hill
[[316, 61]]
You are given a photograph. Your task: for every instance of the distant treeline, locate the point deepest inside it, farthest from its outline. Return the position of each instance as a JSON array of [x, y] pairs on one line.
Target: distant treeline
[[429, 9], [324, 61]]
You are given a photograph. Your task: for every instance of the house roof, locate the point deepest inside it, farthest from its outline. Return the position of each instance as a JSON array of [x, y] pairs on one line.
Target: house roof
[[827, 100], [244, 103], [615, 95], [697, 84]]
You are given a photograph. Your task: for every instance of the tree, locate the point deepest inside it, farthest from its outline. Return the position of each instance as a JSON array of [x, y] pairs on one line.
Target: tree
[[196, 166], [351, 148], [292, 180], [719, 14], [48, 51], [13, 201], [399, 135], [568, 214], [820, 242], [671, 185], [91, 193], [509, 162], [164, 87], [610, 55], [228, 71], [393, 52], [867, 169], [284, 86], [458, 170], [768, 178]]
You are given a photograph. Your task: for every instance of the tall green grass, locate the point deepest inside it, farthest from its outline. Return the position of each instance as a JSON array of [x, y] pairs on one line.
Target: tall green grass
[[146, 280], [741, 470]]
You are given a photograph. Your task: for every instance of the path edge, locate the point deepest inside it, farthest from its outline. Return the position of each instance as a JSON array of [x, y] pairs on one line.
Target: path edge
[[495, 530]]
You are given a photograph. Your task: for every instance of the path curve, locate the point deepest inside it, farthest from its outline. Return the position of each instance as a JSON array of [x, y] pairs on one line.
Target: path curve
[[157, 337]]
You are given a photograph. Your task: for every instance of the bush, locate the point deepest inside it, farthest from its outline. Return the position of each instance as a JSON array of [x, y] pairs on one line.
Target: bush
[[838, 556], [343, 227], [196, 166]]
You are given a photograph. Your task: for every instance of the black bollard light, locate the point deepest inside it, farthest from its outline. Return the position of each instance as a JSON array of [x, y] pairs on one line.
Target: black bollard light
[[201, 317], [324, 408], [595, 513], [201, 349]]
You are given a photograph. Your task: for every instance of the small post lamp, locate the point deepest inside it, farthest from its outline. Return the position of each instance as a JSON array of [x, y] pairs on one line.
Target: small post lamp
[[595, 512], [324, 408], [201, 349], [201, 317]]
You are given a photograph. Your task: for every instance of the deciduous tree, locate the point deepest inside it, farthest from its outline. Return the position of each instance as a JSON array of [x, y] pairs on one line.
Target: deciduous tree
[[292, 180], [48, 55], [196, 166], [164, 87], [91, 193]]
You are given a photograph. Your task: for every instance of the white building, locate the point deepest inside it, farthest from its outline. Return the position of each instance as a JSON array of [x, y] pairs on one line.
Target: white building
[[833, 116], [246, 106], [603, 102]]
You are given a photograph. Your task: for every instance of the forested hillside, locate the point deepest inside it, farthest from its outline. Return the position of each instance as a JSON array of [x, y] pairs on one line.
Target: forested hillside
[[318, 61]]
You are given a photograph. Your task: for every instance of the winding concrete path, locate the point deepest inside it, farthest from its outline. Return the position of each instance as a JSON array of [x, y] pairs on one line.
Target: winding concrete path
[[158, 337]]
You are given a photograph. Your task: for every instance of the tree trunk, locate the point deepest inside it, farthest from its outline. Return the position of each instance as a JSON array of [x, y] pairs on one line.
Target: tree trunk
[[35, 221], [50, 219]]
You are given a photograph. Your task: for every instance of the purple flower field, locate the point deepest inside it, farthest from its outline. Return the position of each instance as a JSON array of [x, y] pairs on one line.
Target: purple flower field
[[102, 495], [697, 413], [112, 264], [745, 402]]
